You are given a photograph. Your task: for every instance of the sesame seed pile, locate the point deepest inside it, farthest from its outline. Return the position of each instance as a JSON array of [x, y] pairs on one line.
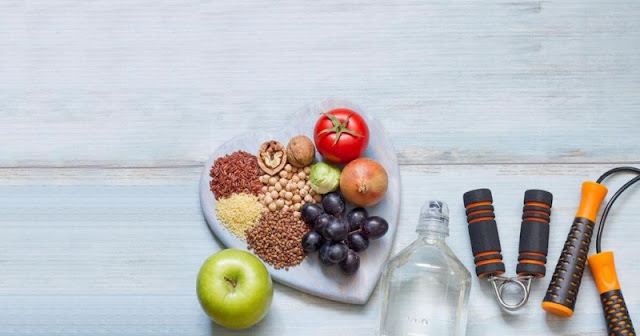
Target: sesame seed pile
[[239, 212]]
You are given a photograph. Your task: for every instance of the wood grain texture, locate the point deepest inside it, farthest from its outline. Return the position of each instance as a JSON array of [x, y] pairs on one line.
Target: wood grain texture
[[143, 83], [109, 109], [118, 253]]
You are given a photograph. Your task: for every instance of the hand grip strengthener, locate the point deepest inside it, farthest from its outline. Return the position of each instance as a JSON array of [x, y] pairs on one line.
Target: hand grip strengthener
[[485, 241], [562, 293]]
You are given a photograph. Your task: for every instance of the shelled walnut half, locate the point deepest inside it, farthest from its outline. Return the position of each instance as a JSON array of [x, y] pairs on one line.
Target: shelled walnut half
[[272, 157]]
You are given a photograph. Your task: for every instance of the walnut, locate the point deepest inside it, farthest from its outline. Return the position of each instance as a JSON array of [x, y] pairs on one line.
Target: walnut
[[301, 151], [272, 157]]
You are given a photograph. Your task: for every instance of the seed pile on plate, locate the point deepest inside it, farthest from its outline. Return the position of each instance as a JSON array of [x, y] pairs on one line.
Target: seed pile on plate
[[235, 173], [276, 239], [239, 212], [289, 190]]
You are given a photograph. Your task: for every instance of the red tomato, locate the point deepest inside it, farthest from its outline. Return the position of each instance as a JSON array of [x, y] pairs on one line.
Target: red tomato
[[341, 135]]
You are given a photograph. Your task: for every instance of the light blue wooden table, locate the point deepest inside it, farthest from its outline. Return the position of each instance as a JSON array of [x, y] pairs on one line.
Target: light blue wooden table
[[109, 109]]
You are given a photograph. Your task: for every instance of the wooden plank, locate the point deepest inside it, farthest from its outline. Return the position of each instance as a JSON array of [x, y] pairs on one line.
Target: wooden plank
[[143, 83], [94, 251]]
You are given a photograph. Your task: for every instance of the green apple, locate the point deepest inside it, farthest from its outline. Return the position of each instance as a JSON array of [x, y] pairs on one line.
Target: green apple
[[234, 288]]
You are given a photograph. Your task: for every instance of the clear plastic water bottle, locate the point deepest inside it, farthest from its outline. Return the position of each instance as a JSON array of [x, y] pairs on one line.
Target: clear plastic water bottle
[[425, 288]]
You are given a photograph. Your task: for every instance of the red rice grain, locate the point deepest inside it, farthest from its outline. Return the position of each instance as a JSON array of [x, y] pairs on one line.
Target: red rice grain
[[237, 172]]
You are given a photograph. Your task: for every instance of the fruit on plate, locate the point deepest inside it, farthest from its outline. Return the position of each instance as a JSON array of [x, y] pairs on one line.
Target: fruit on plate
[[334, 204], [322, 222], [310, 212], [364, 182], [357, 242], [234, 288], [312, 241], [336, 230], [350, 264], [355, 217], [335, 252], [374, 227], [341, 135]]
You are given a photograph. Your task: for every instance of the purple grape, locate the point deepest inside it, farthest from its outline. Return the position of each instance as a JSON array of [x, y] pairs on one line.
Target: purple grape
[[336, 252], [374, 227], [312, 241], [351, 263], [355, 217], [310, 212], [334, 204], [357, 242], [322, 221], [323, 255], [336, 230]]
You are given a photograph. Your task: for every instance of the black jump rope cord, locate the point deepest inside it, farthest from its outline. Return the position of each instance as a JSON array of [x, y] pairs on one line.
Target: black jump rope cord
[[615, 196]]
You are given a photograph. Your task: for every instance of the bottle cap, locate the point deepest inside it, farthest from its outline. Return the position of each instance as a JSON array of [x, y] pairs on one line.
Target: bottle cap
[[434, 217]]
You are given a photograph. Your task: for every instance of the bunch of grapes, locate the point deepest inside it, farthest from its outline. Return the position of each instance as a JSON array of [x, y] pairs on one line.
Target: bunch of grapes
[[339, 238]]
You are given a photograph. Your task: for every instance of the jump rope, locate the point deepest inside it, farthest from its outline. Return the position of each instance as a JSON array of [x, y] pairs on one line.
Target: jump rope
[[562, 293], [560, 298]]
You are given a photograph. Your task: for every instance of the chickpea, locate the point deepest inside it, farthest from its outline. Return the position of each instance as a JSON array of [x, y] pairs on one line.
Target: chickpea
[[283, 182], [261, 197], [300, 185], [312, 192], [280, 203], [278, 187], [264, 189], [295, 178], [288, 202], [289, 187], [265, 178], [267, 199], [271, 188], [296, 214], [288, 195], [303, 193], [317, 198], [297, 206], [274, 194], [302, 175], [308, 183], [273, 207], [273, 180], [287, 167], [285, 208], [283, 173], [308, 198], [294, 169], [307, 170], [296, 199], [290, 176], [307, 188]]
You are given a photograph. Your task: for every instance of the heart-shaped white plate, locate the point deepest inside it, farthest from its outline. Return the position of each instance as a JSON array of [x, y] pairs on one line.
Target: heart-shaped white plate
[[310, 276]]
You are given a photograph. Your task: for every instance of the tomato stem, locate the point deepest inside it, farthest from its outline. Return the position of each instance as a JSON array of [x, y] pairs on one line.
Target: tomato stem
[[339, 128]]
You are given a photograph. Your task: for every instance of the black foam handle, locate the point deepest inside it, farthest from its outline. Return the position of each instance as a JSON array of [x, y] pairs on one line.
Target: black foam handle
[[616, 314], [534, 233], [565, 283], [483, 233]]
